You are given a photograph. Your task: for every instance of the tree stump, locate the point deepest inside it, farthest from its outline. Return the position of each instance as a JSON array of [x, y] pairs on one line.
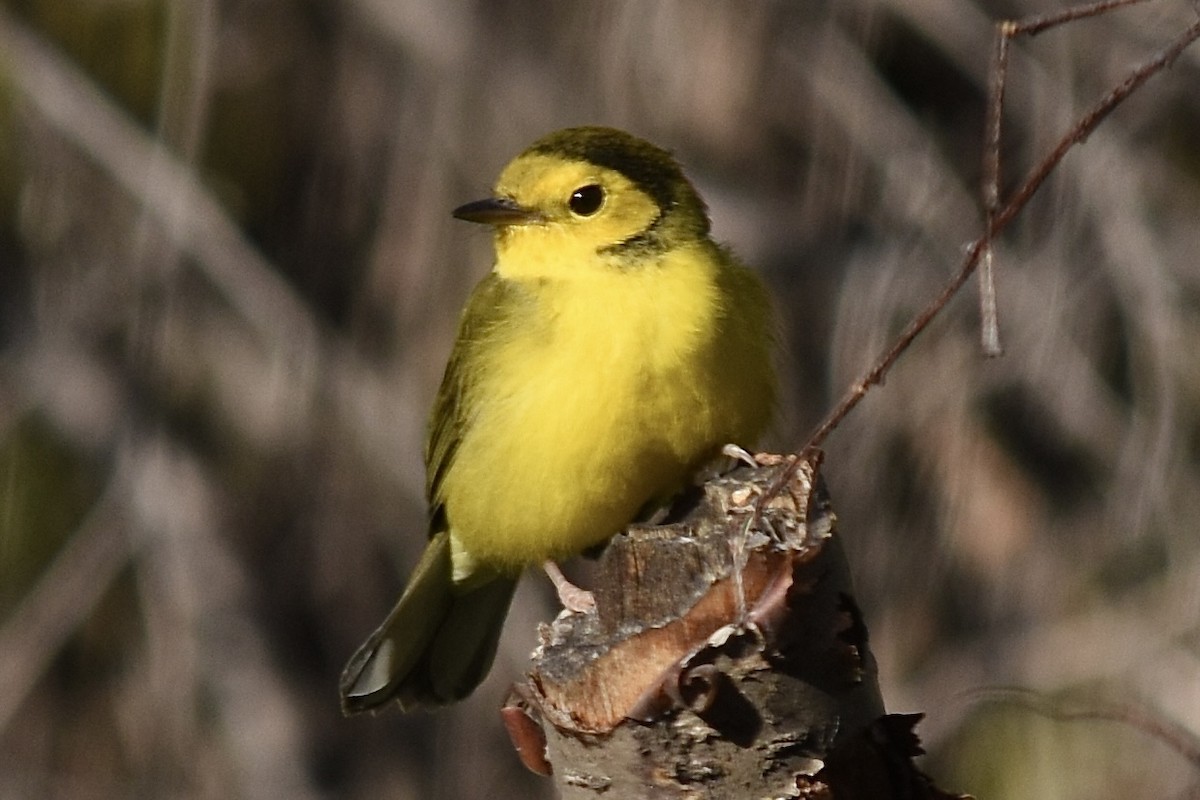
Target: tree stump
[[725, 658]]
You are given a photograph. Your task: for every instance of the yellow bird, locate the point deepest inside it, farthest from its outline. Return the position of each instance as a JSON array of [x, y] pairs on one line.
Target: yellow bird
[[613, 350]]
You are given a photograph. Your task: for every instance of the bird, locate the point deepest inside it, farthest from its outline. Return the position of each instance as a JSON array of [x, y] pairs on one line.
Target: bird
[[612, 351]]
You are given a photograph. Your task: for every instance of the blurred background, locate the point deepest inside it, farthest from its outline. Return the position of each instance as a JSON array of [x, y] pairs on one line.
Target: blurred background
[[229, 281]]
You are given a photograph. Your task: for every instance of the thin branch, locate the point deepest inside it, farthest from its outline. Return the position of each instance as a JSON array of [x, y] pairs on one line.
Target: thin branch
[[1006, 31], [997, 223], [1000, 221], [1032, 26], [990, 189], [997, 81], [989, 315]]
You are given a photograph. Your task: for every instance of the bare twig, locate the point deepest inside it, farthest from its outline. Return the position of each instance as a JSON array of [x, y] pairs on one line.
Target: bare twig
[[1031, 26], [988, 316], [1006, 31], [998, 223], [998, 218]]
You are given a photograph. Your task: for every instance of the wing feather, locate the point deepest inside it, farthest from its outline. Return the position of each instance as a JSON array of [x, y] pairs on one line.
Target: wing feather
[[485, 320]]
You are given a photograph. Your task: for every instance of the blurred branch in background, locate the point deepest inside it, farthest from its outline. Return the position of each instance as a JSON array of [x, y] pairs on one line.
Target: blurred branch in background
[[162, 186], [66, 594], [228, 282]]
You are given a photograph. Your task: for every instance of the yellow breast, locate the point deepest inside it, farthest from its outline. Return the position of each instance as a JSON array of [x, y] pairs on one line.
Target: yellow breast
[[623, 385]]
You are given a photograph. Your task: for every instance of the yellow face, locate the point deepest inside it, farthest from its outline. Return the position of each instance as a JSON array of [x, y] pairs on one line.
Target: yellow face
[[580, 212]]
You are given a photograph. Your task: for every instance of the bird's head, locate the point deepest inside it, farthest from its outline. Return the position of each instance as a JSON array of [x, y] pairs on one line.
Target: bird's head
[[585, 198]]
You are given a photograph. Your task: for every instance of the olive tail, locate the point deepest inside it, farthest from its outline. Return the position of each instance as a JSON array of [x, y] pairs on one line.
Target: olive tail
[[435, 646]]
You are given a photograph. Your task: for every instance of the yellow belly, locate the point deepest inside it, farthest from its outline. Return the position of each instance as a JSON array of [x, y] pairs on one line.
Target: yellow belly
[[626, 384]]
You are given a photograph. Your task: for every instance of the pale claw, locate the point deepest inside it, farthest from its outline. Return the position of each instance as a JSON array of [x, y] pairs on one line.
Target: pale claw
[[739, 453], [579, 601]]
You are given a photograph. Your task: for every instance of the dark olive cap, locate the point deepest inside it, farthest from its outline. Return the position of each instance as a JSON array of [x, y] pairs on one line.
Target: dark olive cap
[[652, 169]]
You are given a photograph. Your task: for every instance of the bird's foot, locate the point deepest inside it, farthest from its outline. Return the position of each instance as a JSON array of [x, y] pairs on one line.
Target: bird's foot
[[579, 601], [739, 453]]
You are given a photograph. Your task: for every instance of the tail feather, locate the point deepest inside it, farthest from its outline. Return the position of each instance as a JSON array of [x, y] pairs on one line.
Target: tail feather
[[435, 646], [462, 652]]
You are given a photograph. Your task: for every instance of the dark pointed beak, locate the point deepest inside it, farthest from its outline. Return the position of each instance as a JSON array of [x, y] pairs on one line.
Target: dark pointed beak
[[496, 211]]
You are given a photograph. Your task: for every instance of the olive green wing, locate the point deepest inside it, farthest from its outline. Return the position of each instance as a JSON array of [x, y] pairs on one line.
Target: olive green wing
[[486, 322], [438, 642]]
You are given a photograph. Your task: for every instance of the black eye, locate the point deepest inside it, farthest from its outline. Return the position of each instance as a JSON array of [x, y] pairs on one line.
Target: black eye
[[586, 200]]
